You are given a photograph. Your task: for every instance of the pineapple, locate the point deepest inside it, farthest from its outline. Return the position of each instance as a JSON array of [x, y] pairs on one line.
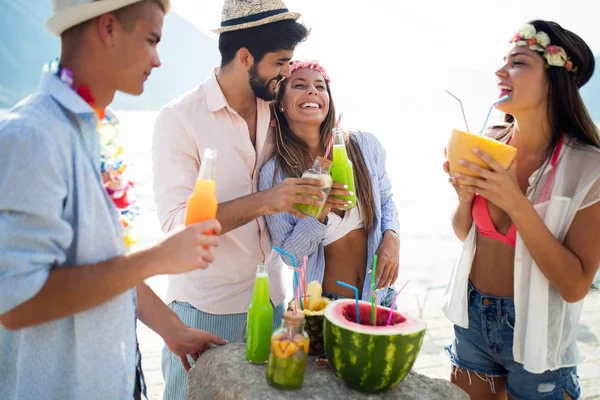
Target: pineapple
[[314, 309]]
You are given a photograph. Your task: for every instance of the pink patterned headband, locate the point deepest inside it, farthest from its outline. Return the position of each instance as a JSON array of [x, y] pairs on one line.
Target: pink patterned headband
[[296, 65]]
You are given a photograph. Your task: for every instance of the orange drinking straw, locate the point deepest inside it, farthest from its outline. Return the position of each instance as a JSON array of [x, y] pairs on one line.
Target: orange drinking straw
[[296, 302], [305, 262]]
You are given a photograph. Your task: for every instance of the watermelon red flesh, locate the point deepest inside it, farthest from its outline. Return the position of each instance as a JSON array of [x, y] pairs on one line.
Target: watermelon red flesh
[[348, 311], [369, 358]]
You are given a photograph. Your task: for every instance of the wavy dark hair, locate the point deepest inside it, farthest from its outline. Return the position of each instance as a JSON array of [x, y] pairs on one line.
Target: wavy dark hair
[[566, 111], [263, 39], [292, 152]]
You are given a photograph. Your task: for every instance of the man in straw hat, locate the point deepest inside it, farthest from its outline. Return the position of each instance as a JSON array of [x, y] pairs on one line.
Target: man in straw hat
[[67, 298], [229, 112]]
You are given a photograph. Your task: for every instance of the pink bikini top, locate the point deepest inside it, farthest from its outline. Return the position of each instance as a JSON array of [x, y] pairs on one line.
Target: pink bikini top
[[481, 212]]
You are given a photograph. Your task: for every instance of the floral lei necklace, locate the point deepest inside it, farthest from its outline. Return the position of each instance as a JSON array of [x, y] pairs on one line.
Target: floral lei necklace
[[112, 164]]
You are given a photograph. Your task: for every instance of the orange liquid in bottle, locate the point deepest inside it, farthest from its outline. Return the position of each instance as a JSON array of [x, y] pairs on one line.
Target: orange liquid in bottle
[[202, 204]]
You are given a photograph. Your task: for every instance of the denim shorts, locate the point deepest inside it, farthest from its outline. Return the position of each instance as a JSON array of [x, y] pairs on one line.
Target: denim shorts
[[386, 301], [486, 349]]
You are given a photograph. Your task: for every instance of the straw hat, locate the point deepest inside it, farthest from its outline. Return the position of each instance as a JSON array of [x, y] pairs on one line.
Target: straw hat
[[68, 13], [242, 14]]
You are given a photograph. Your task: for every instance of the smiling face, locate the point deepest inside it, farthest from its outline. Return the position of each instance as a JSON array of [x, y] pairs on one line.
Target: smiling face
[[306, 98], [265, 75], [523, 79]]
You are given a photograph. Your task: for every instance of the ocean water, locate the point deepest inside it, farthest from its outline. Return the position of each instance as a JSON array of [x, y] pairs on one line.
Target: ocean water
[[423, 197], [415, 153]]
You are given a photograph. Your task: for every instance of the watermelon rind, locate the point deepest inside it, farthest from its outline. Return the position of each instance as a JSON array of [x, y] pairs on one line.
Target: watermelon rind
[[370, 359]]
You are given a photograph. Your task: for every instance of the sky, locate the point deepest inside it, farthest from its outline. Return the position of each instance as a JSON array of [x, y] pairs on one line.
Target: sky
[[473, 31], [418, 49]]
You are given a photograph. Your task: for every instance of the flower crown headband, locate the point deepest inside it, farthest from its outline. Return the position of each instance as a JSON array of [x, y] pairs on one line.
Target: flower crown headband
[[296, 65], [540, 42]]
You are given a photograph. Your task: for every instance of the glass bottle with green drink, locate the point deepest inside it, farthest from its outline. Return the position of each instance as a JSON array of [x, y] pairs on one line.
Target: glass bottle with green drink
[[341, 169], [289, 353], [260, 319], [319, 170]]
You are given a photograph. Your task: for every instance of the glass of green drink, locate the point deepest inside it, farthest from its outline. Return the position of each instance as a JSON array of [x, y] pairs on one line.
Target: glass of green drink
[[260, 319], [319, 170], [289, 353], [341, 169]]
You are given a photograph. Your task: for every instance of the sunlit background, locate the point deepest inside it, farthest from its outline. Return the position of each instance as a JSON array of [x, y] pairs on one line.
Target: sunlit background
[[390, 64]]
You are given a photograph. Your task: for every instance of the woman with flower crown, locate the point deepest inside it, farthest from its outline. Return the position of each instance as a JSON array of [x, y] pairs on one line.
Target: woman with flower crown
[[531, 231], [340, 245]]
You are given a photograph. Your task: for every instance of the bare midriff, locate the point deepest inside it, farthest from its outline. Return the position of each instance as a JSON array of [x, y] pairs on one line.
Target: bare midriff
[[346, 260], [492, 272]]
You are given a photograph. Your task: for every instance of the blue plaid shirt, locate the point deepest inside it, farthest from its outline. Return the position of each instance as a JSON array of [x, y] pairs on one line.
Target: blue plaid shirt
[[55, 212]]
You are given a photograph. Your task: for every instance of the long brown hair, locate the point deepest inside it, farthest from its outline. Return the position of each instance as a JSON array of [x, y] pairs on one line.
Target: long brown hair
[[566, 111], [292, 152]]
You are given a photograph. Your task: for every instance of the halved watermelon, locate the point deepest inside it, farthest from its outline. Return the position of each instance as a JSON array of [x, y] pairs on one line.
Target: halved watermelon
[[370, 358]]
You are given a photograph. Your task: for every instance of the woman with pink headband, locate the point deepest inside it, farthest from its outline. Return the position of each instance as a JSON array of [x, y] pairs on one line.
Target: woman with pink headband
[[531, 231], [340, 245]]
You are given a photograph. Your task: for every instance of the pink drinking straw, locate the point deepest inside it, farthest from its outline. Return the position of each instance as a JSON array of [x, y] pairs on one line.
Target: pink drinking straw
[[297, 272], [337, 125], [394, 303], [328, 147], [462, 109]]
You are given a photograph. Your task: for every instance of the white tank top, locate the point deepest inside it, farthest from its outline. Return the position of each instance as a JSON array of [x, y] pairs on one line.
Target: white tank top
[[338, 227]]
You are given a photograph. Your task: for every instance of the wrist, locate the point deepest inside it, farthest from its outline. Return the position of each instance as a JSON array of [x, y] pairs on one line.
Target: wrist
[[392, 235], [520, 206], [148, 262], [263, 206], [171, 328], [465, 202]]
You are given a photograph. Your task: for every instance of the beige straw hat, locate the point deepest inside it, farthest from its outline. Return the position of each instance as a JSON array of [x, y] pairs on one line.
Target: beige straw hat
[[68, 13], [242, 14]]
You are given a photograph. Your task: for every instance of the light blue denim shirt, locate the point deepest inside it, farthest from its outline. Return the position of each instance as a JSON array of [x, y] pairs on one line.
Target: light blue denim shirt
[[54, 212], [304, 236]]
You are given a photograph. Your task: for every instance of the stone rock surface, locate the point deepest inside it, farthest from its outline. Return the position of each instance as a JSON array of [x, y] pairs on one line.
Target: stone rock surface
[[224, 373]]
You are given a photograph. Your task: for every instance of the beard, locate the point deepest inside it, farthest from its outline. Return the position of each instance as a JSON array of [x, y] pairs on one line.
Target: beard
[[260, 85]]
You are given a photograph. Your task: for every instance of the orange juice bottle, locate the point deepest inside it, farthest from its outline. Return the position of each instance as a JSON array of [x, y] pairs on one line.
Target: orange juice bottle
[[202, 204]]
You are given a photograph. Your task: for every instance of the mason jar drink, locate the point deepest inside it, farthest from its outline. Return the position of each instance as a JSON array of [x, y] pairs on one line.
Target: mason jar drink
[[289, 353], [320, 171]]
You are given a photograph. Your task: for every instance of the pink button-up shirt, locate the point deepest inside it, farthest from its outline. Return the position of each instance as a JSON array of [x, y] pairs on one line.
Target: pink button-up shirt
[[199, 119]]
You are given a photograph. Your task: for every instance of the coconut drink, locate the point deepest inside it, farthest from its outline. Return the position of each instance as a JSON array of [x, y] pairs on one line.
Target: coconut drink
[[370, 358], [314, 309], [461, 144]]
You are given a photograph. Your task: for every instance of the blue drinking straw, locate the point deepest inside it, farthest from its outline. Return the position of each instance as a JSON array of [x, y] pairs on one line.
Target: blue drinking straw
[[285, 253], [355, 296], [500, 100]]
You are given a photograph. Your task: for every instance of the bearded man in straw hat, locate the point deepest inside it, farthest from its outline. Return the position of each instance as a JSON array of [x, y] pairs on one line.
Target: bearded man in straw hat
[[67, 288], [229, 112]]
